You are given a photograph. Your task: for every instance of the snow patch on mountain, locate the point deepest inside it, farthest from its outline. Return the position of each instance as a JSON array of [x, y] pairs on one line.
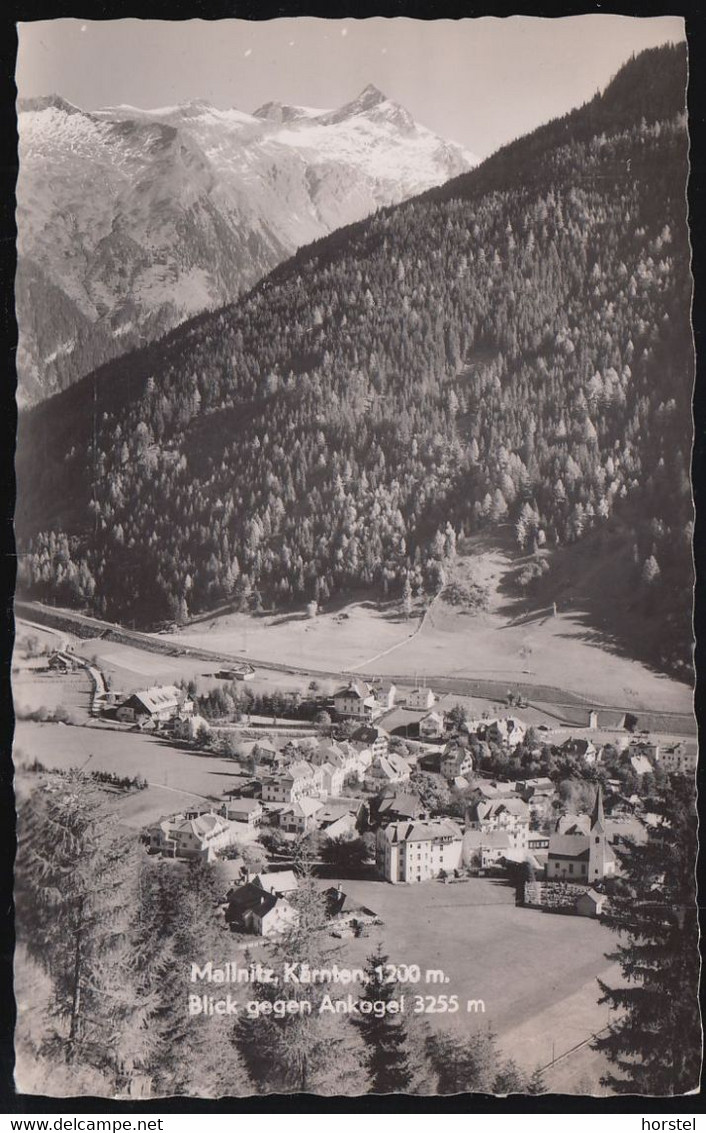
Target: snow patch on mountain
[[149, 216]]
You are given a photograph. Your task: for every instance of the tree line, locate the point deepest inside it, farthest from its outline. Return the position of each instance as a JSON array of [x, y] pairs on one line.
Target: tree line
[[516, 356]]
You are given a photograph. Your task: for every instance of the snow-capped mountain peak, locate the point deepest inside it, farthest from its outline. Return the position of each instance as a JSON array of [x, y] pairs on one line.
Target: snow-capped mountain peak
[[131, 220]]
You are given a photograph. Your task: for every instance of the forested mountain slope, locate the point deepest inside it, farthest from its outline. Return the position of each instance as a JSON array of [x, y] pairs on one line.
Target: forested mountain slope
[[130, 221], [513, 348]]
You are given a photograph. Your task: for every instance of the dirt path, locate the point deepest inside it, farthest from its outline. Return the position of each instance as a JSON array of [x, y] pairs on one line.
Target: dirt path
[[398, 645], [656, 718]]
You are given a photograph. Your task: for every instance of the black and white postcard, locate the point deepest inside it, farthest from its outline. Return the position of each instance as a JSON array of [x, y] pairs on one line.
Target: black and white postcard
[[355, 749]]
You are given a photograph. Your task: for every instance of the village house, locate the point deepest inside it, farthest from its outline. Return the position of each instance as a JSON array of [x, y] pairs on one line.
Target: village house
[[645, 746], [537, 840], [430, 760], [264, 752], [640, 764], [590, 903], [357, 700], [509, 731], [300, 817], [679, 759], [332, 779], [392, 805], [327, 752], [491, 789], [530, 788], [582, 748], [485, 850], [62, 662], [248, 811], [284, 882], [386, 694], [421, 698], [580, 856], [335, 809], [344, 912], [343, 826], [418, 851], [573, 824], [252, 909], [191, 836], [372, 738], [158, 703], [455, 760], [385, 770], [432, 726], [538, 794], [298, 780], [241, 673], [508, 814]]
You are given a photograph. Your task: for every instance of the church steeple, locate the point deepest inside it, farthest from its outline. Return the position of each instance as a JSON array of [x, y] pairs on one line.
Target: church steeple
[[597, 815]]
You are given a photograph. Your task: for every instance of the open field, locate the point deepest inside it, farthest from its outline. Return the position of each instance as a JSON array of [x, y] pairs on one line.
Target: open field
[[176, 775], [509, 644], [536, 973], [479, 656], [32, 691], [338, 640]]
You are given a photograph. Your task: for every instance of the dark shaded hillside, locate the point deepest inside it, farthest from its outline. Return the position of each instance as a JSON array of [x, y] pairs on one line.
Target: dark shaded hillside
[[515, 347]]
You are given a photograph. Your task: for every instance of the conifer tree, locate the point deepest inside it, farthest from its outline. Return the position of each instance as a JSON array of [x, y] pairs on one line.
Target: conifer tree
[[387, 1055], [309, 1050], [74, 889], [465, 1063], [176, 925], [655, 1043]]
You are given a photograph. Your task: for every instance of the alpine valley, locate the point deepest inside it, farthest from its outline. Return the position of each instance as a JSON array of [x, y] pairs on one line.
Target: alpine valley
[[130, 220], [508, 352]]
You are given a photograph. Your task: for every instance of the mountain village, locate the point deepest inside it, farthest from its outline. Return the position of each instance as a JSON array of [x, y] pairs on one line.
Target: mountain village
[[353, 616], [388, 783]]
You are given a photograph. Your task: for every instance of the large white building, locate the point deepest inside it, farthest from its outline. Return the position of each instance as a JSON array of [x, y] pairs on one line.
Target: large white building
[[417, 850]]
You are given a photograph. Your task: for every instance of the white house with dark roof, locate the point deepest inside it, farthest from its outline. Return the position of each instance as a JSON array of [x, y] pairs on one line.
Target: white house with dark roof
[[456, 760], [509, 814], [256, 910], [298, 780], [581, 747], [332, 779], [432, 726], [191, 837], [414, 851], [372, 737], [356, 699], [160, 702], [248, 811], [386, 770], [300, 817]]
